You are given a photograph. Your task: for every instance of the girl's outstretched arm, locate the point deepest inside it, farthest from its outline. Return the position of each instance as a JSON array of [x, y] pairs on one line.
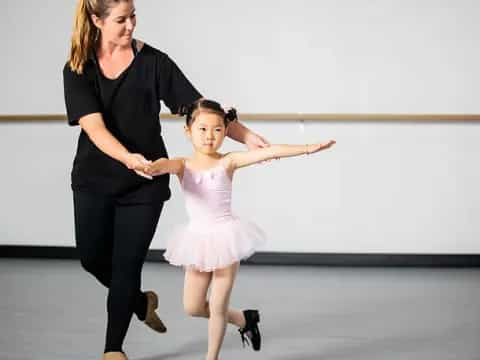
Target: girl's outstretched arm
[[245, 158], [165, 166]]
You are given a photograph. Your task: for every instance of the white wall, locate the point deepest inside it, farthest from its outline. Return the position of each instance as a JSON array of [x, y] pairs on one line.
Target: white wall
[[386, 187], [371, 56], [390, 187]]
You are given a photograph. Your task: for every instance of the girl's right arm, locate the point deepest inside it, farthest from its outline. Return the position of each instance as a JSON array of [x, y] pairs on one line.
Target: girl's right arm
[[246, 158], [96, 130], [165, 166]]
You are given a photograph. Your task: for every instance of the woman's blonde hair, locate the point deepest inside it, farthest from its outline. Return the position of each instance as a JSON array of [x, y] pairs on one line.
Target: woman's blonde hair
[[85, 33]]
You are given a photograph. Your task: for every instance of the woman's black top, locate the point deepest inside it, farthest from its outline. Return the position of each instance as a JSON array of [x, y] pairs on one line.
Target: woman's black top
[[130, 106]]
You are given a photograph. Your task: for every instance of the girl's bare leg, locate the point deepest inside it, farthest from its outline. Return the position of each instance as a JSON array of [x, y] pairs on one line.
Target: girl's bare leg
[[195, 297], [195, 288], [222, 284]]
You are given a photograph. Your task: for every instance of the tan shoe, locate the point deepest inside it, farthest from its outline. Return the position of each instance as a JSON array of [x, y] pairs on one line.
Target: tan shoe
[[151, 318], [114, 355]]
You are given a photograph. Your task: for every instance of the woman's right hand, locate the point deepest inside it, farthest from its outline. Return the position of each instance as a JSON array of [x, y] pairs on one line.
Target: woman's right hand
[[137, 163]]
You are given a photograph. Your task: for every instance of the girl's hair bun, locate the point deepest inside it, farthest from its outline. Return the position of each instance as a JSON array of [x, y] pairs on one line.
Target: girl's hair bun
[[231, 115]]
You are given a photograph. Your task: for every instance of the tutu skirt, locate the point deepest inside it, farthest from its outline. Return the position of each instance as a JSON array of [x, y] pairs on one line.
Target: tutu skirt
[[215, 244]]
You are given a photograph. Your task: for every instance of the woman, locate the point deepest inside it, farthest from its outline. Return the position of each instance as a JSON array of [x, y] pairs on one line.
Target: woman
[[113, 85]]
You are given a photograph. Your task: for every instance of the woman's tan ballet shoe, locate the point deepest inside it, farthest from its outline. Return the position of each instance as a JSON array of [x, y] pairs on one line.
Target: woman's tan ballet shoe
[[114, 356], [151, 318]]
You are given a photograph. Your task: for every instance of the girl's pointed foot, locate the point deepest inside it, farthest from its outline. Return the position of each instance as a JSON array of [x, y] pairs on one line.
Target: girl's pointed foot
[[250, 333]]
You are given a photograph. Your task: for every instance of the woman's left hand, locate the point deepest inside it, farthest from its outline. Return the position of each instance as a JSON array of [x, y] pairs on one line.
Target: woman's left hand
[[254, 141]]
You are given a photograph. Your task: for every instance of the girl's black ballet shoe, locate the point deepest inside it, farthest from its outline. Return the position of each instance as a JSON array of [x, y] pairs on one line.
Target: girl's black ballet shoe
[[250, 333]]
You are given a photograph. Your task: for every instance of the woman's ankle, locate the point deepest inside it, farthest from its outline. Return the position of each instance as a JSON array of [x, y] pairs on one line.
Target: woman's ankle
[[114, 355]]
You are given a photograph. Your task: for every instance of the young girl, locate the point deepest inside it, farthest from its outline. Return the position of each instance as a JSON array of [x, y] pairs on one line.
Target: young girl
[[211, 246]]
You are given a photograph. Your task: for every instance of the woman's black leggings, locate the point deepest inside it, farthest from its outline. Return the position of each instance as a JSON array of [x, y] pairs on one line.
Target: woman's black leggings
[[113, 238]]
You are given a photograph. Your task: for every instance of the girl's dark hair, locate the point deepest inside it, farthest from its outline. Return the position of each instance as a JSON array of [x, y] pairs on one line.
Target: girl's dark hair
[[204, 105]]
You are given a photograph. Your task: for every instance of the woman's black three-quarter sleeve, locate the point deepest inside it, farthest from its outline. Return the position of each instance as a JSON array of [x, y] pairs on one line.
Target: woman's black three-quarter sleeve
[[130, 108]]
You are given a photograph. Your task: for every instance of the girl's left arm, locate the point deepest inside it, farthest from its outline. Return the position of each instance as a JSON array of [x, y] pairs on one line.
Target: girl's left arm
[[246, 158], [165, 166], [239, 132]]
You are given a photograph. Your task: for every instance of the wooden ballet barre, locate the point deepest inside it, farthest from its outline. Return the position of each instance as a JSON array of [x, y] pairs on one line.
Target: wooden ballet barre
[[287, 117]]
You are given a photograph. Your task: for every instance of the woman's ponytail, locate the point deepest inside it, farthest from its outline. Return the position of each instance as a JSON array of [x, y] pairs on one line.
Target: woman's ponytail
[[84, 36]]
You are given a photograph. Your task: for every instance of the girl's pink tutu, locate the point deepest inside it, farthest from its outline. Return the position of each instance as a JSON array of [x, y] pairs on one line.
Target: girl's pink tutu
[[214, 238], [211, 246]]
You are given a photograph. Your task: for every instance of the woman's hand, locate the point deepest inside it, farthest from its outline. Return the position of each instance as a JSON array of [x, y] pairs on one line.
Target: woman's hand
[[239, 132], [254, 141], [137, 163], [313, 148], [156, 168]]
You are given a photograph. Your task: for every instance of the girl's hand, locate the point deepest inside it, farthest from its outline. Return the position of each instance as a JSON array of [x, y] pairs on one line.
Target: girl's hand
[[143, 174], [137, 163], [313, 148]]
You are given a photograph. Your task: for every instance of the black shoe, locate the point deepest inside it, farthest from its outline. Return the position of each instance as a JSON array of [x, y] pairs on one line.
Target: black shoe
[[251, 331]]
